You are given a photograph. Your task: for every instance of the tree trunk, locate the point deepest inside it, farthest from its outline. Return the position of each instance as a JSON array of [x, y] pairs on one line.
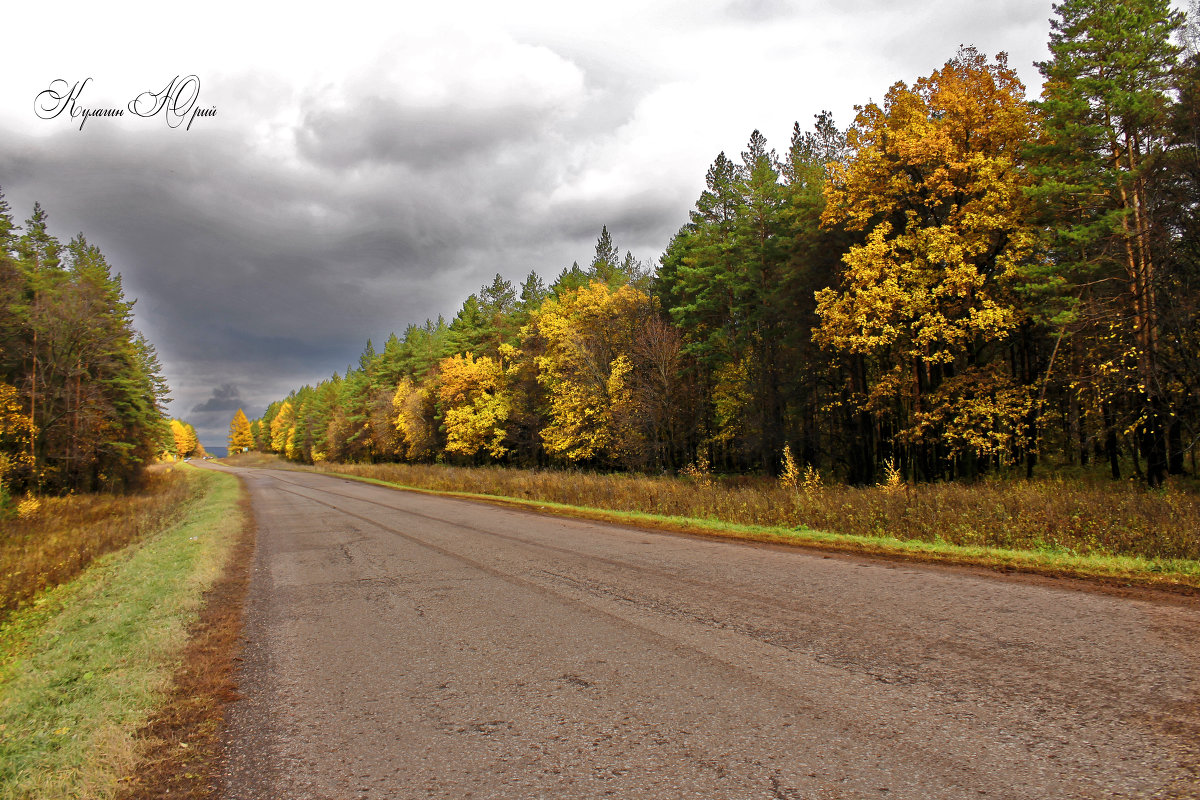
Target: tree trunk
[[1175, 445], [1110, 442]]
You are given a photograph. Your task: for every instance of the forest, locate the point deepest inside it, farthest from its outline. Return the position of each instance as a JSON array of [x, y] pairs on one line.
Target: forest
[[961, 282], [81, 391]]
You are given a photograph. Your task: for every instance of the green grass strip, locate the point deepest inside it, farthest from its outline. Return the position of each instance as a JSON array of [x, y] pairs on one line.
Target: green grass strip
[[83, 667], [1155, 572]]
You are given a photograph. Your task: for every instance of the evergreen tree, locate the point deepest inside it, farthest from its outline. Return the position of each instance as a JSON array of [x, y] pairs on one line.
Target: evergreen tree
[[8, 229], [606, 264], [721, 282], [533, 294], [1104, 112], [822, 421], [89, 383], [469, 328], [569, 280]]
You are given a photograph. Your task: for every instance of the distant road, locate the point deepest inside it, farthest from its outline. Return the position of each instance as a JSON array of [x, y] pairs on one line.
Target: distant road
[[408, 646]]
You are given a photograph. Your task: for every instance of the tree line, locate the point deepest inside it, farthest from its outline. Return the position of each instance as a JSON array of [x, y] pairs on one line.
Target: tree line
[[81, 391], [960, 282]]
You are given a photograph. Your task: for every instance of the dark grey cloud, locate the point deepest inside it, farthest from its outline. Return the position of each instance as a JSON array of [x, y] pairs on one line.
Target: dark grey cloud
[[266, 247], [376, 131], [261, 275], [225, 397]]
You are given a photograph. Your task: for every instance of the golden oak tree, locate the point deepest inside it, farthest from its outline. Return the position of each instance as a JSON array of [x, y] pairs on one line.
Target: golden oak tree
[[934, 182]]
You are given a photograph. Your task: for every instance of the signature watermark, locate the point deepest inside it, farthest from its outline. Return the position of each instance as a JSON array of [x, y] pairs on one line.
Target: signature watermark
[[178, 102]]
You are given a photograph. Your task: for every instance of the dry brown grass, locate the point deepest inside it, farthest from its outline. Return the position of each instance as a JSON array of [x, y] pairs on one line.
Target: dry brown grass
[[1060, 516], [58, 542]]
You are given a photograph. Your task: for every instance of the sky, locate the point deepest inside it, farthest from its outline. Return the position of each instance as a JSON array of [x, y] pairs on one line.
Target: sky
[[364, 169]]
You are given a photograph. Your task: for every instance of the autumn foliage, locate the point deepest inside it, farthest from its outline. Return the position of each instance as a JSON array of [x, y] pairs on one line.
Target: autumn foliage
[[933, 293], [241, 438], [961, 283], [475, 404]]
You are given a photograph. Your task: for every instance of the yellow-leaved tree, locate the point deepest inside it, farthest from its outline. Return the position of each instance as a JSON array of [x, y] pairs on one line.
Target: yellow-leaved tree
[[475, 403], [414, 405], [293, 446], [931, 297], [588, 337], [16, 434], [184, 439], [281, 427], [241, 438]]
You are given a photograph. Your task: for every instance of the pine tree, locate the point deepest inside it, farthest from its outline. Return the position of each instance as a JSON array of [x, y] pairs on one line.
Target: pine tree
[[8, 229], [1104, 121], [90, 383], [606, 265], [721, 282], [760, 246], [569, 280], [533, 294], [469, 328], [13, 317], [38, 253]]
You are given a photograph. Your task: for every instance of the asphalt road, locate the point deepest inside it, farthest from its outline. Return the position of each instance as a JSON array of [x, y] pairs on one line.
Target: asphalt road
[[402, 645]]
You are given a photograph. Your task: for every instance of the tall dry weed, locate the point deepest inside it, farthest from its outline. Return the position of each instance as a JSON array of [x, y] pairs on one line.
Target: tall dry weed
[[58, 538]]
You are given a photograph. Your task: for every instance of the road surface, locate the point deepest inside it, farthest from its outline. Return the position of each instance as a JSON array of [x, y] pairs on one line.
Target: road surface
[[402, 645]]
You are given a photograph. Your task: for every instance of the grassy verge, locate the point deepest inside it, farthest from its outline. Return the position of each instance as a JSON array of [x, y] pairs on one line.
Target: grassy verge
[[1097, 530], [85, 664], [180, 745], [65, 534]]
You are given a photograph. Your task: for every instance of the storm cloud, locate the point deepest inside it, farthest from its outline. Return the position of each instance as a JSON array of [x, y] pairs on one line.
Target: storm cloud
[[370, 175], [225, 397]]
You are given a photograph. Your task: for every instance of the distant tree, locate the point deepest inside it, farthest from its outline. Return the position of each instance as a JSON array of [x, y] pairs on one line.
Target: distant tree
[[184, 439], [606, 263], [241, 438], [281, 426], [585, 340], [475, 404]]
